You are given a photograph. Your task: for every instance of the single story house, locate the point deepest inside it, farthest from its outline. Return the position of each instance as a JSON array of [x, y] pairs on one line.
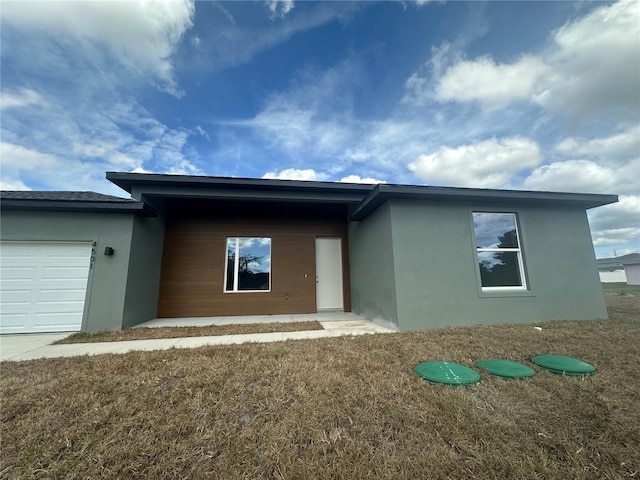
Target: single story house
[[611, 270], [189, 246], [623, 269]]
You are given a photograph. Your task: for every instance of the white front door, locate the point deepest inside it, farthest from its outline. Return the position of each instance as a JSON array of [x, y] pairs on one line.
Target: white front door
[[43, 286], [329, 294]]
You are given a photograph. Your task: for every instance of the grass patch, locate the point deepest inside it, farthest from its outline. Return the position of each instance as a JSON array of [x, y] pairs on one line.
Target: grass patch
[[620, 288], [144, 333], [341, 408]]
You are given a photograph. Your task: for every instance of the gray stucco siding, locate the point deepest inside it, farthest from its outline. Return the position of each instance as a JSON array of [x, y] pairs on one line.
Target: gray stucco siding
[[143, 279], [561, 264], [434, 264], [373, 284], [104, 301], [437, 279]]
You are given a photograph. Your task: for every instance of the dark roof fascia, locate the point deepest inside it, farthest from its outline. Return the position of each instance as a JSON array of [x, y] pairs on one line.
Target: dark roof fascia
[[383, 192], [132, 207], [609, 265], [145, 182], [628, 259], [145, 185], [151, 194]]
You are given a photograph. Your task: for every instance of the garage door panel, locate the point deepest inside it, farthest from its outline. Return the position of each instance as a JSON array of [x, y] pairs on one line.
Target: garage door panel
[[15, 297], [56, 322], [58, 307], [43, 286], [57, 295], [63, 249], [64, 273], [15, 285], [63, 284], [17, 273], [23, 249], [65, 260], [14, 323]]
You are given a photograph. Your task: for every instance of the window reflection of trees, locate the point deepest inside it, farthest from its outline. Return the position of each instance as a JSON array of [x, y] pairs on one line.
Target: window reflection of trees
[[253, 264], [500, 269]]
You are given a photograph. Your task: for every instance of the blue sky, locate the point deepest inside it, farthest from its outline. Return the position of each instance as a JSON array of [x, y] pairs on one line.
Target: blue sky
[[537, 96]]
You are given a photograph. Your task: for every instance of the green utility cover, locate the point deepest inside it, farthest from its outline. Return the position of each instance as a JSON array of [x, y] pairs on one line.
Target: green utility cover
[[564, 365], [506, 368], [449, 373]]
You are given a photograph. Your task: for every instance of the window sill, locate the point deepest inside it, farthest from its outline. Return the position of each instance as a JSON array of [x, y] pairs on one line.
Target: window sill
[[500, 293], [247, 291]]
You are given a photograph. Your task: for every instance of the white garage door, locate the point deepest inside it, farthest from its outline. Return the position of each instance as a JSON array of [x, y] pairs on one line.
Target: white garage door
[[43, 286]]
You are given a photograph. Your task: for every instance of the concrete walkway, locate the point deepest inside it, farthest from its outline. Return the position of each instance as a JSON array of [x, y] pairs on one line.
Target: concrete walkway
[[245, 319], [35, 346]]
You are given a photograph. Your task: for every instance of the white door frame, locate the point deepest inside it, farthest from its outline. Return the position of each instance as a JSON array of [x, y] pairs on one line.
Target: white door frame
[[329, 274]]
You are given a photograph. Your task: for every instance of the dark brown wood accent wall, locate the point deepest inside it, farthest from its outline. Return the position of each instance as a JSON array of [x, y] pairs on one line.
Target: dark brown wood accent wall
[[194, 256]]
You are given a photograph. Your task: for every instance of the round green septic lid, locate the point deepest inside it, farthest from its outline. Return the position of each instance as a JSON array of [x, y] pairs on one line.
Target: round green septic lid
[[449, 373], [564, 365], [506, 368]]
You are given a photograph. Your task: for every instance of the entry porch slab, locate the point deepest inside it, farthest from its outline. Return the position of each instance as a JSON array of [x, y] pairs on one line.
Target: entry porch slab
[[322, 317]]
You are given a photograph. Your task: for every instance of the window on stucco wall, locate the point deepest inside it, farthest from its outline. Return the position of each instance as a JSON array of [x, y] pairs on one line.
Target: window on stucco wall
[[248, 266], [499, 252]]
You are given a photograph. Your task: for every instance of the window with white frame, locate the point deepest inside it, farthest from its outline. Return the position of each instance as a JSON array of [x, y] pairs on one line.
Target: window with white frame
[[499, 251], [248, 267]]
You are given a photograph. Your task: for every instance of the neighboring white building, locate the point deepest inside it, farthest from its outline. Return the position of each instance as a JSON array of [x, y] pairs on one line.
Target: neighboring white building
[[614, 276], [624, 269]]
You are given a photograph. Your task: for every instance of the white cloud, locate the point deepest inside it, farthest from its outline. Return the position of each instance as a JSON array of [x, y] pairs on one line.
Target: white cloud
[[582, 176], [279, 8], [13, 185], [292, 174], [122, 161], [359, 179], [312, 175], [228, 42], [23, 98], [419, 86], [488, 164], [203, 132], [17, 157], [313, 123], [24, 166], [591, 68], [618, 223], [493, 85], [313, 118], [596, 63], [73, 147], [95, 149], [614, 148], [140, 36]]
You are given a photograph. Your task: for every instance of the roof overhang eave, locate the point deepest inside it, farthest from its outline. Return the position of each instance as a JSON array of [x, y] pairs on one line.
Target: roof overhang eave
[[143, 182], [139, 209], [382, 193]]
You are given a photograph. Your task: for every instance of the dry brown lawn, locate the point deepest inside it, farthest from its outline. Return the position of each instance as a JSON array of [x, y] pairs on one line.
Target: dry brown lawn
[[144, 333], [341, 408]]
